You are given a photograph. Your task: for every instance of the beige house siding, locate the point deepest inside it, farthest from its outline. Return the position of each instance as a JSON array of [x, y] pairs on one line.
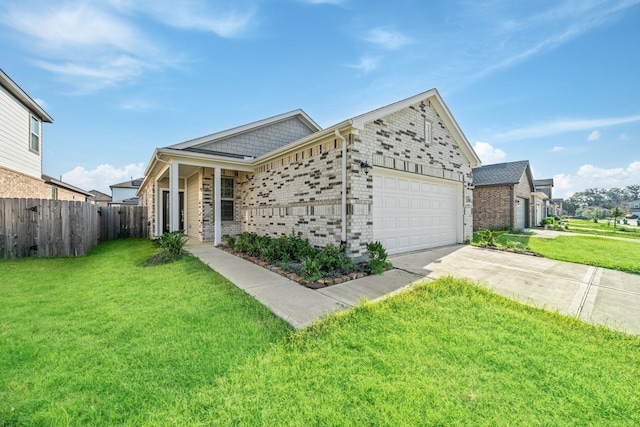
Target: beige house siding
[[193, 227], [15, 138]]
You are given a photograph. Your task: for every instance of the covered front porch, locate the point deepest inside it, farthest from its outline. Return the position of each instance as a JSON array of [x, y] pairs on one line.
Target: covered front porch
[[195, 193]]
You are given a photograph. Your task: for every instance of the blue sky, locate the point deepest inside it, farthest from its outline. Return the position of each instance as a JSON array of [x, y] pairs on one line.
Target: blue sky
[[553, 82]]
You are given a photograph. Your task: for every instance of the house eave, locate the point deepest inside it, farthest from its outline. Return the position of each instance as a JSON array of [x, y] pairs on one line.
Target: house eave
[[238, 130], [15, 90]]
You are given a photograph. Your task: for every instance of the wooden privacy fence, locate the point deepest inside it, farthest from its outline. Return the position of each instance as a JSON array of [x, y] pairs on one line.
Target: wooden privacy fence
[[59, 228]]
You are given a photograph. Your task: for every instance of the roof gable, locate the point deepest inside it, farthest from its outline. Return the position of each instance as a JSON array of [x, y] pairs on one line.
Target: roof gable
[[215, 141], [438, 105], [502, 173]]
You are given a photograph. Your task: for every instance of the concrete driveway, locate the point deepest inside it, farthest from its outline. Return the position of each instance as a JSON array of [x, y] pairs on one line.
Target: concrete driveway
[[593, 294]]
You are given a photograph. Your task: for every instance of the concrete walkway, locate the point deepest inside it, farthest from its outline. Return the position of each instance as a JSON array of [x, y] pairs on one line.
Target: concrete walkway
[[296, 304], [592, 294]]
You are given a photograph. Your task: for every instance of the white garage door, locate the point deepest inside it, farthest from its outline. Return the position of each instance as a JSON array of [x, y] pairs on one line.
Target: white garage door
[[412, 212]]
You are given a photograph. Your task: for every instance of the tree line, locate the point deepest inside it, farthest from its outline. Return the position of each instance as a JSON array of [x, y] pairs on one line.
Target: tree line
[[600, 198]]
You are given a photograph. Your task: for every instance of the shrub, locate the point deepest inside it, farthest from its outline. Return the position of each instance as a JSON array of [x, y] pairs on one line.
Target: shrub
[[332, 258], [172, 242], [487, 237], [172, 248], [231, 241], [378, 263], [310, 268], [548, 220]]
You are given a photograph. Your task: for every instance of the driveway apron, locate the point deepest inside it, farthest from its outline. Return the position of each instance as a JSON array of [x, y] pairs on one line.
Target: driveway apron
[[593, 294]]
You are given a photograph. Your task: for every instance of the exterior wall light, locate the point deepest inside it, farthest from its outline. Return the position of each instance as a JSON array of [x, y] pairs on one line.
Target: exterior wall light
[[366, 166]]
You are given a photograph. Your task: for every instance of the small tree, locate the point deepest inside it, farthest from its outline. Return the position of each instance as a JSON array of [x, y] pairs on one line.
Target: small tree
[[616, 213]]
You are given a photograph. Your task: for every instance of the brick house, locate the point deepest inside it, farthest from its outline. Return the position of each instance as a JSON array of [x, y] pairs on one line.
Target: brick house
[[504, 195], [400, 174], [21, 176]]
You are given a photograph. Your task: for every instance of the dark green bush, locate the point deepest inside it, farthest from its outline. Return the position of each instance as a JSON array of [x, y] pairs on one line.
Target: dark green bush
[[172, 242], [378, 263], [487, 237]]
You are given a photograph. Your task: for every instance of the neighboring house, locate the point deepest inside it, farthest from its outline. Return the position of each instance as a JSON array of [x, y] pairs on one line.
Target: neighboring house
[[559, 204], [553, 207], [21, 132], [400, 175], [634, 207], [99, 198], [124, 193], [503, 196], [62, 191]]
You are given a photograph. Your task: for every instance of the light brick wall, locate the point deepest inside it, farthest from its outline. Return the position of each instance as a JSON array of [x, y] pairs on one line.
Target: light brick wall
[[16, 184], [147, 199], [493, 207], [207, 220], [413, 140], [300, 192]]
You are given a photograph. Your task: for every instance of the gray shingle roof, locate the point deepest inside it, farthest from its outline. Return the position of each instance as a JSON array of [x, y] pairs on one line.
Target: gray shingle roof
[[500, 173]]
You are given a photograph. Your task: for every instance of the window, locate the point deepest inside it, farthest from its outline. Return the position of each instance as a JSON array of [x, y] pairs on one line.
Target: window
[[34, 144], [226, 202]]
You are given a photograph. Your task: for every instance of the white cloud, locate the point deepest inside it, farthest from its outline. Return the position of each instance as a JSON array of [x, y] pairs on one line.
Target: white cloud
[[366, 64], [557, 149], [385, 39], [102, 176], [195, 15], [93, 45], [593, 136], [487, 153], [590, 176], [562, 126], [623, 137]]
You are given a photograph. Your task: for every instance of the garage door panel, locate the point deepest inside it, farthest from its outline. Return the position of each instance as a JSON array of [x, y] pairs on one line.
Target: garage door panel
[[414, 213]]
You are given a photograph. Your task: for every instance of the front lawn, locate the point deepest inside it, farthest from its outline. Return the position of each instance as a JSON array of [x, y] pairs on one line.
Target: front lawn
[[597, 251], [603, 227], [101, 340]]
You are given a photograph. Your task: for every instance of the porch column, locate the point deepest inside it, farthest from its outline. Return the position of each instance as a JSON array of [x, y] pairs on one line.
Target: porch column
[[174, 197], [217, 226]]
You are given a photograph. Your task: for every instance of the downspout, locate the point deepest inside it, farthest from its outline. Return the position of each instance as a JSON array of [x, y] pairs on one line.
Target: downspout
[[343, 236]]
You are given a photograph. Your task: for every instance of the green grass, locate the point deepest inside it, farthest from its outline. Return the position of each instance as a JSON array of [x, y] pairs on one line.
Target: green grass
[[597, 251], [601, 228], [99, 340]]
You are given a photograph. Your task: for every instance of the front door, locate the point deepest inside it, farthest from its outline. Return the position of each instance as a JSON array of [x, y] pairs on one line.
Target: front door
[[166, 209]]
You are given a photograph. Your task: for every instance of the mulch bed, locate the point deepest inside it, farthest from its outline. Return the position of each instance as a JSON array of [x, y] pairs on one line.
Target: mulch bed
[[321, 283]]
